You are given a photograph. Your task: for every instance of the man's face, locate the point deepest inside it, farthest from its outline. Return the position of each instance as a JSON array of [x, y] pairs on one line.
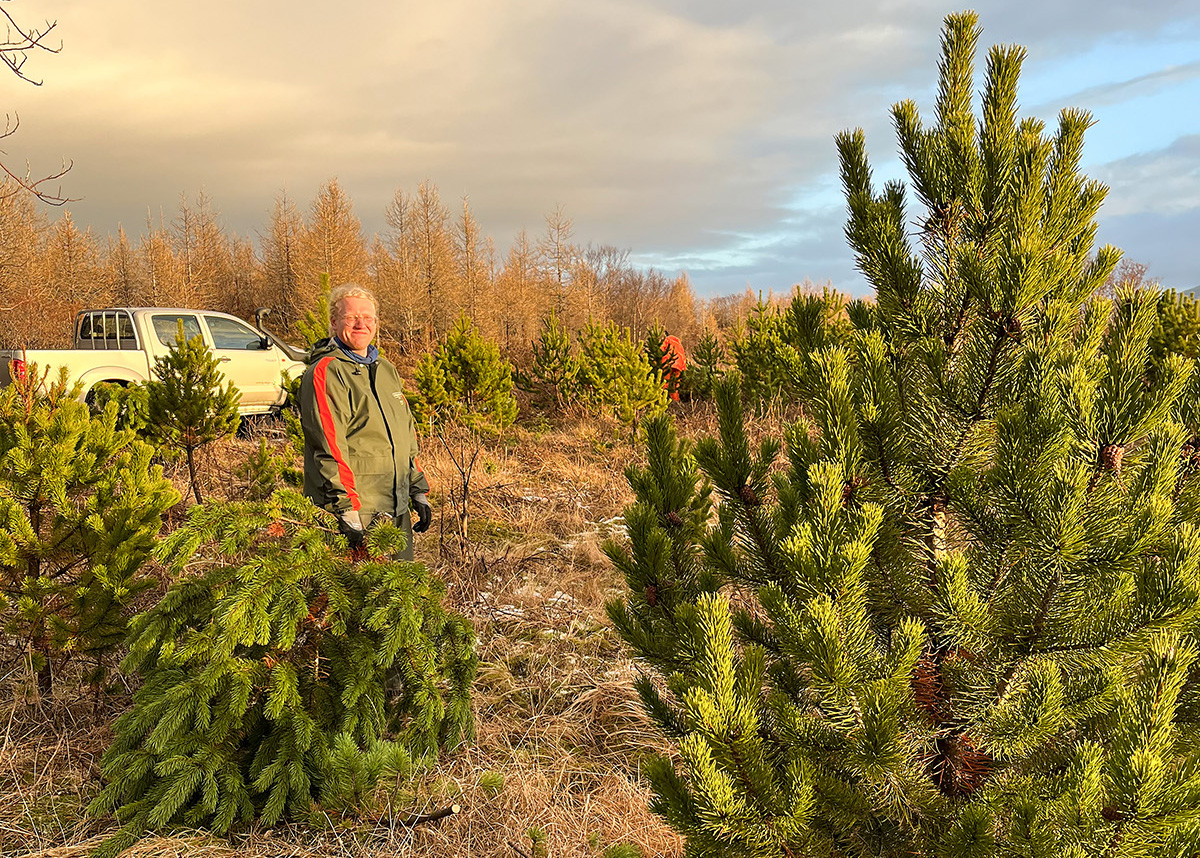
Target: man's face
[[355, 323]]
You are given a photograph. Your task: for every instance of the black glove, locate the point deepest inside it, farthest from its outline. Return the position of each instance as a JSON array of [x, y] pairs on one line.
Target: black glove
[[424, 513], [350, 526]]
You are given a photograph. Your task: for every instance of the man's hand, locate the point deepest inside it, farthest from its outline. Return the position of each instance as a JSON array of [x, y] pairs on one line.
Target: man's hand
[[424, 513], [350, 525]]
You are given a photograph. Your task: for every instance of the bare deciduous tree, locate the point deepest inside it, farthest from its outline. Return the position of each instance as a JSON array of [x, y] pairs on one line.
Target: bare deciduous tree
[[19, 42]]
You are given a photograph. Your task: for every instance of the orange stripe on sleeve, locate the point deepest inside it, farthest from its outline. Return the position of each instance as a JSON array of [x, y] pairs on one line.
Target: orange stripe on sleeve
[[344, 472]]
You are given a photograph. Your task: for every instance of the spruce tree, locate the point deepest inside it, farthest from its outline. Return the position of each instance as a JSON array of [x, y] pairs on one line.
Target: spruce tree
[[188, 405], [81, 506], [279, 677], [958, 618]]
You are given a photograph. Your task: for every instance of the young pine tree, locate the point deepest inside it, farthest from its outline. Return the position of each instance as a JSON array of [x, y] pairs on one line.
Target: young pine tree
[[614, 374], [705, 368], [81, 507], [466, 379], [314, 324], [553, 368], [959, 618], [278, 676], [187, 405]]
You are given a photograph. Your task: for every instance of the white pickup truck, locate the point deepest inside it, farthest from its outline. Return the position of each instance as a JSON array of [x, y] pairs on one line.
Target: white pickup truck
[[120, 345]]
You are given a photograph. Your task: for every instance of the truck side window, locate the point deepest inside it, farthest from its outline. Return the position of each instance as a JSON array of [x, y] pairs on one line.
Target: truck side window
[[231, 334], [166, 327], [125, 328]]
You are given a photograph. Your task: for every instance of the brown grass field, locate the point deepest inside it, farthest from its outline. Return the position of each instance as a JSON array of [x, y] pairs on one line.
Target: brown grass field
[[556, 715]]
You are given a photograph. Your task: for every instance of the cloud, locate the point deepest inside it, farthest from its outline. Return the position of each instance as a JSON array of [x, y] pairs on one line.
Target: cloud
[[698, 133], [1165, 182]]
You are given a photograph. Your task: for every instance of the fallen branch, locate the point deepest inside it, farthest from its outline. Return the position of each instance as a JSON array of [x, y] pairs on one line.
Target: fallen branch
[[432, 816]]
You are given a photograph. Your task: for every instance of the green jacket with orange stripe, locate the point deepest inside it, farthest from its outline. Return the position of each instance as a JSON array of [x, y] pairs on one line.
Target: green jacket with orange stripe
[[360, 443]]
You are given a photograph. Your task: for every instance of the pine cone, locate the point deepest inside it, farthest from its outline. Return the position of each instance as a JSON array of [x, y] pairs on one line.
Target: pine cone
[[673, 519], [1111, 456], [1112, 814], [749, 498], [959, 768], [651, 595]]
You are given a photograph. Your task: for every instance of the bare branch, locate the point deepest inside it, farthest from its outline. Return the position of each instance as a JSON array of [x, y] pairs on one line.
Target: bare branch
[[18, 42], [14, 52]]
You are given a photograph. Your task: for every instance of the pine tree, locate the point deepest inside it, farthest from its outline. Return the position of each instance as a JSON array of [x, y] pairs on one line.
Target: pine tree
[[278, 675], [553, 369], [959, 619], [1178, 328], [705, 368], [81, 507], [615, 376], [187, 404], [466, 380], [314, 324]]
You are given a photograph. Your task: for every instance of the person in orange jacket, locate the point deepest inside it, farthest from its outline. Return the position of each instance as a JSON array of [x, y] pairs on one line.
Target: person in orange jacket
[[673, 362]]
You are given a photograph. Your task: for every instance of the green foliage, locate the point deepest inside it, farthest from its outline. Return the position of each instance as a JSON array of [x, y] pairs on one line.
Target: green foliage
[[772, 353], [538, 842], [623, 850], [314, 325], [705, 368], [614, 375], [275, 670], [262, 472], [1178, 328], [959, 617], [465, 380], [492, 783], [187, 405], [81, 507], [132, 403], [553, 369]]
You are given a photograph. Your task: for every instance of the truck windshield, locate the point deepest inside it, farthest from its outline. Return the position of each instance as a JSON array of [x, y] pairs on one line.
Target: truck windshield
[[166, 327]]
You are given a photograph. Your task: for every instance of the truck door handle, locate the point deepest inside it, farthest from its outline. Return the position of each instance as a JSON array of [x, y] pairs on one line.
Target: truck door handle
[[222, 360]]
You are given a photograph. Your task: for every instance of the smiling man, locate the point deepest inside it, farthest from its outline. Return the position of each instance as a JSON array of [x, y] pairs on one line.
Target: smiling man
[[360, 444]]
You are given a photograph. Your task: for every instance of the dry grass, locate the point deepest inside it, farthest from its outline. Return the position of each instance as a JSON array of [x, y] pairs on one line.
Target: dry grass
[[556, 714]]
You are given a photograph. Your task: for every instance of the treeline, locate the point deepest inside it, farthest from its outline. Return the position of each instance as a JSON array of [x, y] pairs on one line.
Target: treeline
[[429, 266]]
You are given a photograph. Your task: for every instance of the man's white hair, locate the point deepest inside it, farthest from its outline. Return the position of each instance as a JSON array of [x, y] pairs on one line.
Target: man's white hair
[[348, 290]]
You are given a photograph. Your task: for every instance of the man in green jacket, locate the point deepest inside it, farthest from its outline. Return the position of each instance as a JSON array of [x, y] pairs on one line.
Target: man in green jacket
[[360, 444]]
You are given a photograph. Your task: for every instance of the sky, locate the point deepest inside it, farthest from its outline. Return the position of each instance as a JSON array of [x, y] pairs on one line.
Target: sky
[[697, 134]]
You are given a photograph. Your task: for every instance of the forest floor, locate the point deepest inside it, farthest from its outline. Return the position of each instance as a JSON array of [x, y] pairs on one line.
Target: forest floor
[[560, 734]]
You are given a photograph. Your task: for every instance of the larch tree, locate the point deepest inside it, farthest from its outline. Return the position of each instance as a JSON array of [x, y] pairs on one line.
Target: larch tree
[[163, 285], [556, 258], [434, 266], [332, 243], [280, 269], [472, 258], [520, 315], [959, 618]]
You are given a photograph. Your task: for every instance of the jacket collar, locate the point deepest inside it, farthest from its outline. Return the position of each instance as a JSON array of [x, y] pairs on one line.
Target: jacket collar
[[372, 352]]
